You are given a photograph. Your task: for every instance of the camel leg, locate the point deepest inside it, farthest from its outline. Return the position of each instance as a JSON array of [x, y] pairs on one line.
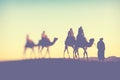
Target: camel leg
[[65, 50], [73, 51], [47, 52], [74, 54], [64, 53], [33, 52], [85, 53], [68, 53], [39, 51], [77, 53]]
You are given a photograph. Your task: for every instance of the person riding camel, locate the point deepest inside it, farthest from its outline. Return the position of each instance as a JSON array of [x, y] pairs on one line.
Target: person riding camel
[[44, 36], [80, 31], [71, 33], [28, 40], [81, 37], [70, 37]]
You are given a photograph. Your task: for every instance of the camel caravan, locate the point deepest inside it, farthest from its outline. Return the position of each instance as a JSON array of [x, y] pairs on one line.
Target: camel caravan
[[44, 42], [79, 42]]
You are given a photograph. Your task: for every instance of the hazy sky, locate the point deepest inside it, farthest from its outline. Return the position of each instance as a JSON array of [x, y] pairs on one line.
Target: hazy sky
[[99, 18]]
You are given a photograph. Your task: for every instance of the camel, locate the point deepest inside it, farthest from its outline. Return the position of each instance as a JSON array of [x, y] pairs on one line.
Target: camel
[[46, 43], [29, 44], [76, 44], [83, 45], [69, 42]]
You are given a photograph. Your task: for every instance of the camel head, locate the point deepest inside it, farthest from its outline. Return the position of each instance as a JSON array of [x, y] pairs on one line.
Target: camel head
[[91, 41], [55, 39]]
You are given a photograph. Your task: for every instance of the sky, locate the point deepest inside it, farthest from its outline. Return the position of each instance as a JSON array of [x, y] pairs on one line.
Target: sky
[[99, 18]]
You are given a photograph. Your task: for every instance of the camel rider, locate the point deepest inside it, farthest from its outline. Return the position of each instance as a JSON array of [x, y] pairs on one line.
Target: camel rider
[[29, 42], [70, 38], [28, 39], [44, 36], [80, 31], [81, 39], [71, 33]]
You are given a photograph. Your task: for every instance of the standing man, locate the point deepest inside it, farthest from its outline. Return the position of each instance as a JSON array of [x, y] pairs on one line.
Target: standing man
[[101, 49]]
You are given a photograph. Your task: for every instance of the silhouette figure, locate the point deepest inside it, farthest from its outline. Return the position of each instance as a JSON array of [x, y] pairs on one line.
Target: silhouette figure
[[29, 44], [44, 36], [80, 31], [45, 42], [70, 41], [101, 49], [81, 42], [80, 37]]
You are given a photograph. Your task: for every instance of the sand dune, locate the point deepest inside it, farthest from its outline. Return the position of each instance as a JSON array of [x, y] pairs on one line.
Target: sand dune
[[59, 69]]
